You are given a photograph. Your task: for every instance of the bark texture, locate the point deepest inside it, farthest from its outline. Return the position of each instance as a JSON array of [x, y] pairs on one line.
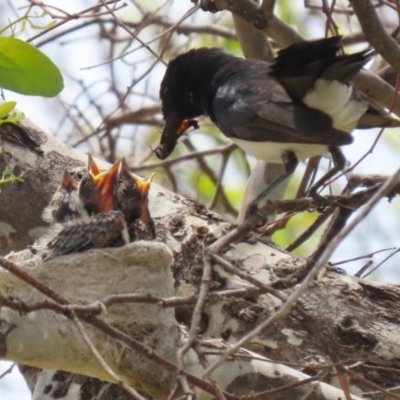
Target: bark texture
[[347, 318]]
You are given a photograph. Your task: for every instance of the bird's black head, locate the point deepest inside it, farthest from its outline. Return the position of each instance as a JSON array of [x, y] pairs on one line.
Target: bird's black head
[[187, 90], [186, 81]]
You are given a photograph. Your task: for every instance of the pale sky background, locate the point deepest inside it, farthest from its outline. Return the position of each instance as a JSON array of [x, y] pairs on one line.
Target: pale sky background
[[379, 230]]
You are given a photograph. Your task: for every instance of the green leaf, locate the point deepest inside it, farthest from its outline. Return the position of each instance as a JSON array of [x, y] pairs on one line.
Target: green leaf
[[6, 116], [7, 172], [26, 70], [6, 108], [12, 118]]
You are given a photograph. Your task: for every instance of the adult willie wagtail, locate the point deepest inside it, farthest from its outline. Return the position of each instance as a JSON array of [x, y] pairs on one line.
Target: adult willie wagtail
[[299, 106]]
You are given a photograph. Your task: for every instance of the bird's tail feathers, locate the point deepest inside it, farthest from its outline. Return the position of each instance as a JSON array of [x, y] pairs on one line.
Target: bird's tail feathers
[[375, 116], [299, 66]]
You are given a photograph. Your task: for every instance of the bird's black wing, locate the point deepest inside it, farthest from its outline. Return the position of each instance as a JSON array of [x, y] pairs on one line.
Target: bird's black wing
[[259, 109]]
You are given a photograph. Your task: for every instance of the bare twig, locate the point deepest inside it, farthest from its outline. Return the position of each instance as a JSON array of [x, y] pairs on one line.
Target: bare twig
[[109, 330], [71, 17], [196, 318], [8, 370], [130, 390], [323, 259], [190, 156], [372, 27]]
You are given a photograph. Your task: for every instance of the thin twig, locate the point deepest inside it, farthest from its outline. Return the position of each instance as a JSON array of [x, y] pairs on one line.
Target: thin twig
[[130, 390], [8, 370], [197, 316], [323, 259], [381, 263], [123, 26], [58, 24], [108, 329], [194, 155]]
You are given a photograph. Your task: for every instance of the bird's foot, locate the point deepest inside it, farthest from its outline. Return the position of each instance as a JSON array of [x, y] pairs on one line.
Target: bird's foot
[[253, 212], [321, 202]]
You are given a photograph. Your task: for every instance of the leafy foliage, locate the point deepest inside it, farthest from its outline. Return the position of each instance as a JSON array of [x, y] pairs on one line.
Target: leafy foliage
[[26, 70], [9, 177], [6, 114]]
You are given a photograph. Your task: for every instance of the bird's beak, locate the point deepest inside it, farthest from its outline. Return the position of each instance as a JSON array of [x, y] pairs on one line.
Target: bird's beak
[[144, 185], [92, 166], [186, 124], [68, 182], [169, 136], [125, 170], [105, 184]]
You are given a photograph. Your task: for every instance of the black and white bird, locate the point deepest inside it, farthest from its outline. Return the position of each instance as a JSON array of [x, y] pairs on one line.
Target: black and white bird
[[299, 106]]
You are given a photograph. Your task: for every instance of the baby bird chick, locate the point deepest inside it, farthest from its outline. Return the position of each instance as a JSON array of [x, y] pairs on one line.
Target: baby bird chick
[[65, 204], [97, 190], [105, 228], [133, 203]]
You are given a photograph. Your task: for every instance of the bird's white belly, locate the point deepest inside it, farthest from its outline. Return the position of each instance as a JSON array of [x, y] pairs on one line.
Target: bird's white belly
[[271, 152]]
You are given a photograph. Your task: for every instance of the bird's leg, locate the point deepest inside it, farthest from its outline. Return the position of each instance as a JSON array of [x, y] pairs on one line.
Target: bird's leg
[[339, 162], [290, 162]]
